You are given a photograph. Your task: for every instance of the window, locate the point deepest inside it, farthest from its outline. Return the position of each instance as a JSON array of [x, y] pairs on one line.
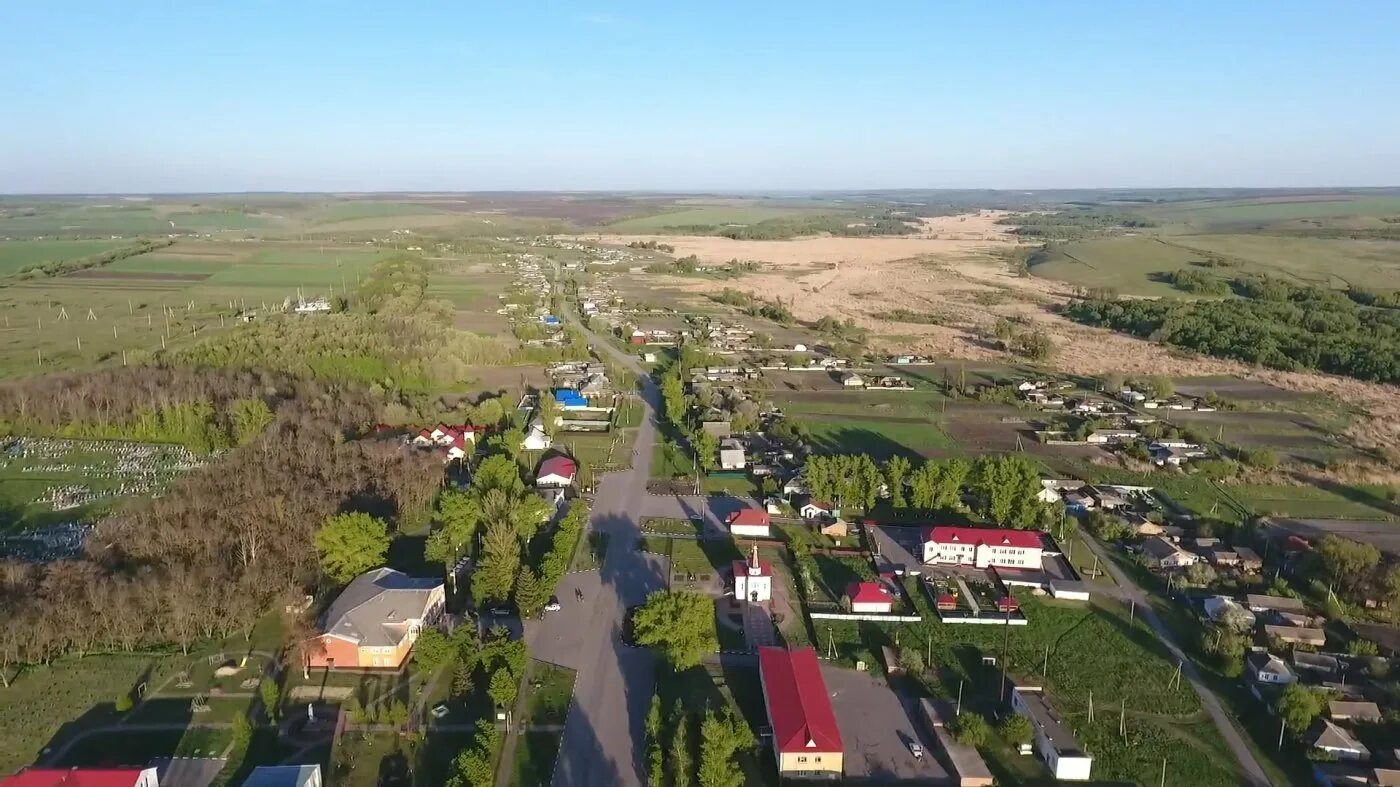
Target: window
[[801, 759]]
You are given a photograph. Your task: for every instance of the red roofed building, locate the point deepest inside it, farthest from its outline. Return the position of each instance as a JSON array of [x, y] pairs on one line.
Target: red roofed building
[[982, 547], [83, 777], [869, 597], [557, 471], [806, 739], [749, 522]]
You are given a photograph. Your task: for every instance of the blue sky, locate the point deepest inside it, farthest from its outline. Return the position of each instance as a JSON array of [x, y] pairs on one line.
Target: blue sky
[[310, 95]]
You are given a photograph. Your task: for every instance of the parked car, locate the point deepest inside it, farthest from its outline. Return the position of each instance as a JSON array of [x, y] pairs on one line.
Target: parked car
[[501, 611], [439, 711], [553, 605], [916, 750]]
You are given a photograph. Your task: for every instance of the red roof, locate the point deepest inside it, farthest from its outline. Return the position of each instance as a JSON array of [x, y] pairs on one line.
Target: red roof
[[425, 433], [1025, 539], [749, 516], [868, 593], [1008, 603], [741, 568], [73, 777], [799, 709], [562, 466]]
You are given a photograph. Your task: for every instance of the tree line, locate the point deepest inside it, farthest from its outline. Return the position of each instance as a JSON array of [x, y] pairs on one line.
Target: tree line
[[60, 267], [1275, 323]]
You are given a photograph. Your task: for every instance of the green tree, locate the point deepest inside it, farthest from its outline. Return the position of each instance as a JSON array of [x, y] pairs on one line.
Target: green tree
[[1298, 706], [682, 747], [1161, 386], [1346, 562], [351, 544], [549, 413], [458, 514], [971, 729], [462, 680], [271, 697], [432, 650], [531, 594], [656, 762], [706, 449], [123, 702], [503, 688], [680, 623], [722, 735], [494, 578], [896, 473], [490, 412], [673, 399], [249, 417], [1016, 730]]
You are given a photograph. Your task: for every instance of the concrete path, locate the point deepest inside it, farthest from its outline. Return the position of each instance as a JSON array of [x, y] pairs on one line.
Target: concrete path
[[1251, 773]]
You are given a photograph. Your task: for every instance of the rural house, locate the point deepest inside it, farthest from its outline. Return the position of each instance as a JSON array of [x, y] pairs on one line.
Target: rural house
[[536, 438], [753, 579], [284, 776], [749, 522], [1053, 740], [1325, 736], [731, 454], [806, 739], [375, 620], [852, 380], [982, 547], [1260, 603], [816, 510], [1354, 711], [1291, 635], [869, 597], [1161, 553], [1263, 667], [557, 472]]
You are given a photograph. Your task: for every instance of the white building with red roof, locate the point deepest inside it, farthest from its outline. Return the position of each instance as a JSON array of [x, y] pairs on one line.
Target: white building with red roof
[[558, 472], [983, 547], [751, 522], [870, 597], [806, 739], [753, 579]]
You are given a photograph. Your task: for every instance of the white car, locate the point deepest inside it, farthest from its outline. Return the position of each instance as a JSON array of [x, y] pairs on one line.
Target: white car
[[553, 605], [439, 711], [916, 750]]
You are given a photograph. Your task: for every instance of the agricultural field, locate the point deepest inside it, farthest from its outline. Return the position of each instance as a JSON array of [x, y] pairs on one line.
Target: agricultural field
[[1271, 210], [880, 437], [1311, 502], [703, 216], [1126, 264], [18, 254]]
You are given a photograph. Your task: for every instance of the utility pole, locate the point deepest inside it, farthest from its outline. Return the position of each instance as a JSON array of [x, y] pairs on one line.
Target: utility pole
[[960, 690], [1091, 706]]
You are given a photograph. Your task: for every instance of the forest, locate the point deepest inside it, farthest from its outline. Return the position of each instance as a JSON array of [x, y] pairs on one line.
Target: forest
[[227, 542], [1072, 224], [1275, 323]]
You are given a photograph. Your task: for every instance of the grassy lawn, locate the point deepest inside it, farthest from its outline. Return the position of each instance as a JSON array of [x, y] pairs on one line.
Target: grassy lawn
[[1305, 502], [670, 527], [712, 686], [137, 748], [548, 695], [535, 754], [741, 486], [835, 573], [18, 254], [590, 556], [880, 439], [629, 413], [360, 759], [669, 460], [689, 556]]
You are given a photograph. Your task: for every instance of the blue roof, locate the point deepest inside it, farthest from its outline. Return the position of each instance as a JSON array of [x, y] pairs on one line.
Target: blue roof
[[568, 396]]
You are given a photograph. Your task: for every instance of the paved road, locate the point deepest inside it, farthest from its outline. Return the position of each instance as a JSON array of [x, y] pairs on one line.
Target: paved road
[[614, 683], [1127, 590]]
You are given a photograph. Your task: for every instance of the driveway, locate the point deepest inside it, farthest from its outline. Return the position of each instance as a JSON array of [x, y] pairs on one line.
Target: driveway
[[877, 725]]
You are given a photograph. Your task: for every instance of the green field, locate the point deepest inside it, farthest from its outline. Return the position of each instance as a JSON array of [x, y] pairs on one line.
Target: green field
[[1266, 210], [879, 439], [704, 217], [18, 254], [1310, 502], [1123, 264]]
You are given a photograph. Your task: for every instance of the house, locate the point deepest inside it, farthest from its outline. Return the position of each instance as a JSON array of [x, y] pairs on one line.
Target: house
[[536, 438], [1249, 560], [731, 454], [82, 777], [1111, 436], [852, 380], [1291, 635], [806, 740], [1336, 774], [816, 510], [284, 776], [1260, 603], [836, 528], [1108, 499], [1317, 665], [719, 429], [375, 620], [797, 485], [968, 767], [749, 522], [1221, 556], [1354, 711], [557, 471], [872, 597], [982, 547], [753, 579], [1217, 607], [1161, 553], [1328, 737], [1264, 667], [569, 399], [1053, 740]]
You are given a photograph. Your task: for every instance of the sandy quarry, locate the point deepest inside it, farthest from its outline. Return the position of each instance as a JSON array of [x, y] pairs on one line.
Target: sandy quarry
[[955, 269]]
